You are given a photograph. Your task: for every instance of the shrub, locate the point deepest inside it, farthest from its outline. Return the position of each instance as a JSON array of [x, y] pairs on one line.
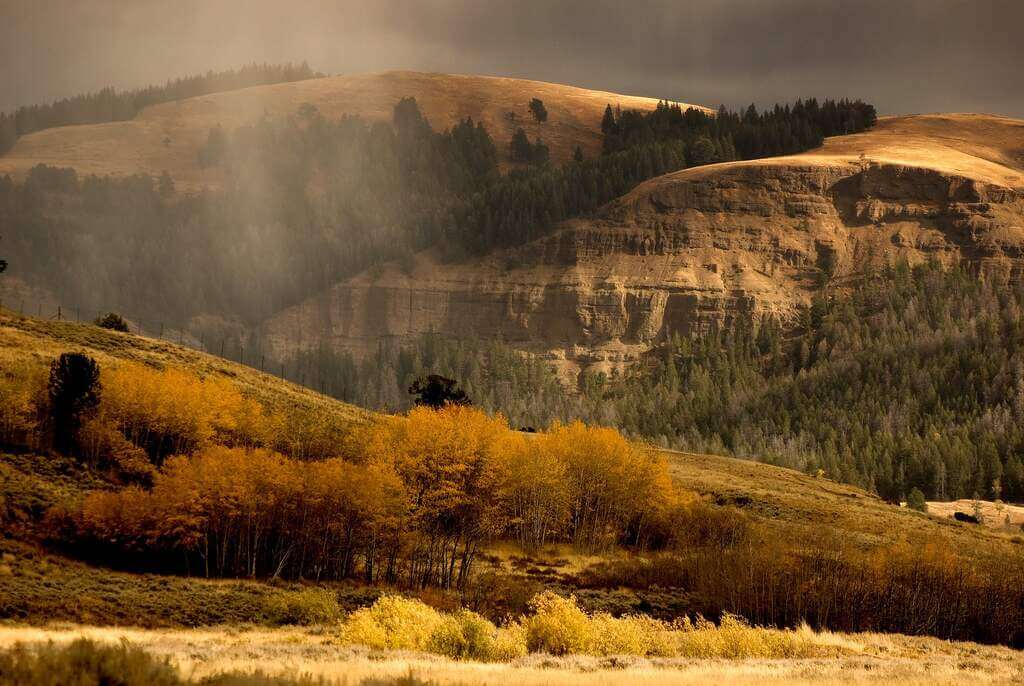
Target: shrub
[[631, 635], [89, 663], [85, 662], [558, 626], [308, 606], [403, 623], [475, 637], [509, 643], [112, 321], [393, 622], [916, 501], [734, 638]]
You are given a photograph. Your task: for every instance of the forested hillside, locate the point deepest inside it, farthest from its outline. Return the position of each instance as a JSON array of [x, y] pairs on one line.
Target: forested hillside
[[308, 201], [913, 378]]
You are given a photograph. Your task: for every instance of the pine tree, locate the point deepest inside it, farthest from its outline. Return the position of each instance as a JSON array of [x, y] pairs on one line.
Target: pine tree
[[74, 392], [520, 149], [608, 121], [540, 113]]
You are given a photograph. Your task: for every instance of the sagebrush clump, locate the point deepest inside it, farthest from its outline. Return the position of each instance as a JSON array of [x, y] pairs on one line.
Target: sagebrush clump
[[308, 606]]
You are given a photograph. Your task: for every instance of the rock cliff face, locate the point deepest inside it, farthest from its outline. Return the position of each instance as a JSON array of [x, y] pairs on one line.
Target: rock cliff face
[[676, 254]]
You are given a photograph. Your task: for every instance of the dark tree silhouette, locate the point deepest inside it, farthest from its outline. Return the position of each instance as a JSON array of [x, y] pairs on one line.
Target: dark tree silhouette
[[608, 121], [437, 391], [113, 321], [540, 113], [520, 149], [74, 391]]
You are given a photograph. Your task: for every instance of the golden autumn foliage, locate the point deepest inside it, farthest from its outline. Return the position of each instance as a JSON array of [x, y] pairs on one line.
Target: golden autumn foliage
[[534, 492], [255, 512], [412, 503], [558, 626], [22, 397], [170, 411], [616, 491], [228, 487], [146, 414]]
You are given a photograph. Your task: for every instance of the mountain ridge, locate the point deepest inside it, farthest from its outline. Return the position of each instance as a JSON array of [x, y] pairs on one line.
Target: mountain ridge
[[168, 136]]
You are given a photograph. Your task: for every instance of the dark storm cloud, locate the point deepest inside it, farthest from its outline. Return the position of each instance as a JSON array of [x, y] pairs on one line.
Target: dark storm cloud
[[910, 56]]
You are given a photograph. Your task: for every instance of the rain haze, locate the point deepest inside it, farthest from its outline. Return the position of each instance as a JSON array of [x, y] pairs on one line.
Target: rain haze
[[914, 56]]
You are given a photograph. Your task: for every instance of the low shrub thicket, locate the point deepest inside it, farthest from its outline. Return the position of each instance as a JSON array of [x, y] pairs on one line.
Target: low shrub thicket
[[558, 626], [921, 587], [394, 622], [84, 663]]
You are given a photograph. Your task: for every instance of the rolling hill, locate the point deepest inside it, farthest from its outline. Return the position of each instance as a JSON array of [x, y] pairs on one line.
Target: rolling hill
[[31, 339], [784, 498], [167, 137]]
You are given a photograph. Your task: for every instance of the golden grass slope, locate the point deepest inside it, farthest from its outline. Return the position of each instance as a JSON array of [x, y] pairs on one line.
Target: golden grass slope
[[168, 136], [816, 509], [26, 338], [996, 515], [983, 147], [873, 659]]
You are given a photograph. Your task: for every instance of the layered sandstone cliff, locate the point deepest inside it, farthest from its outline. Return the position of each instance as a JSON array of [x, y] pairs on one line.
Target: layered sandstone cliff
[[697, 246]]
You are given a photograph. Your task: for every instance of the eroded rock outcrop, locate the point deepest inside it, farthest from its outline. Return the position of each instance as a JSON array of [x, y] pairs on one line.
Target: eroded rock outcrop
[[674, 255]]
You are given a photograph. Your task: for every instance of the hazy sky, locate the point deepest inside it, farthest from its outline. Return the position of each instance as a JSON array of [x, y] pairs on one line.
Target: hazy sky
[[905, 56]]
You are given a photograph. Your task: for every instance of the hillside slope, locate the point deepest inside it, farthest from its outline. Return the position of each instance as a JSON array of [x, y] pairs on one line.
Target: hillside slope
[[699, 245], [739, 524], [27, 338], [821, 509], [169, 136], [786, 497]]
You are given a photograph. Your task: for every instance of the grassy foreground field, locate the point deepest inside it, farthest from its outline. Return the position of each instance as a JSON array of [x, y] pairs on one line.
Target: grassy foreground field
[[316, 653]]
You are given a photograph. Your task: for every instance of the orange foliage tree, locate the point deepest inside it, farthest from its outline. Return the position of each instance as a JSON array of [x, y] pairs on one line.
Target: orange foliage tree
[[412, 502]]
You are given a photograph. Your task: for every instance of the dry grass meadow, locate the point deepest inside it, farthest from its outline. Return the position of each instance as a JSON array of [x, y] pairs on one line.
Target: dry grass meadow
[[981, 147], [995, 515], [868, 659]]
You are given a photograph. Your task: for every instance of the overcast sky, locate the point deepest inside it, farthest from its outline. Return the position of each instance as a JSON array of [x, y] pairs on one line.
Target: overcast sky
[[903, 55]]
